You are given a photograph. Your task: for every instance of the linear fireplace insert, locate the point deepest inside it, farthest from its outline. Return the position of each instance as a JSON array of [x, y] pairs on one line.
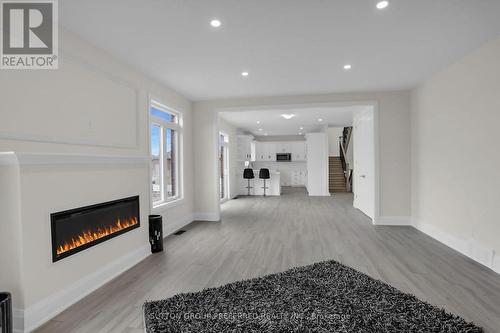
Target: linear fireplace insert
[[78, 229]]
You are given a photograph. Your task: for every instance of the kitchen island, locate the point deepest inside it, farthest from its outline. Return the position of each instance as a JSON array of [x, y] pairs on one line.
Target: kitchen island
[[273, 184]]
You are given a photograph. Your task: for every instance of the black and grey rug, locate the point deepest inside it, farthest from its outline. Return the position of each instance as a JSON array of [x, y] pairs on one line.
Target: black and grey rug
[[323, 297]]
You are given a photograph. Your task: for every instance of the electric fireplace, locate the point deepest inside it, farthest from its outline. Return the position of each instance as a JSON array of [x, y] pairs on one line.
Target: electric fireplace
[[78, 229]]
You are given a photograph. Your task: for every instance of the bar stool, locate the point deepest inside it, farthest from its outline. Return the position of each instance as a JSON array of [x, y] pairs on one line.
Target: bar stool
[[264, 174], [5, 312], [248, 174]]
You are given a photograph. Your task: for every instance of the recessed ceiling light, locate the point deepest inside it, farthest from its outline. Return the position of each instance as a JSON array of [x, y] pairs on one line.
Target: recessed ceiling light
[[320, 119], [288, 115], [300, 133], [382, 4], [347, 67], [215, 23], [260, 130], [244, 74], [301, 128], [258, 121], [265, 134]]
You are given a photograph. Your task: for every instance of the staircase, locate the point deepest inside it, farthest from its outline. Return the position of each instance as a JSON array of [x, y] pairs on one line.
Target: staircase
[[336, 178]]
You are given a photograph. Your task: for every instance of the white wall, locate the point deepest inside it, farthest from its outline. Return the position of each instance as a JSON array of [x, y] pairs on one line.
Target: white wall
[[455, 159], [206, 196], [95, 108], [394, 126], [333, 140], [317, 164], [234, 170]]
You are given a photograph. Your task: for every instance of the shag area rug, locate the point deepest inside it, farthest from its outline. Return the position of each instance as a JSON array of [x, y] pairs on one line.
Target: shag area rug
[[323, 297]]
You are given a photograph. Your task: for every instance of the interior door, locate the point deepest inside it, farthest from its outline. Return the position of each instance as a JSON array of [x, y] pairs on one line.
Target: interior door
[[364, 162]]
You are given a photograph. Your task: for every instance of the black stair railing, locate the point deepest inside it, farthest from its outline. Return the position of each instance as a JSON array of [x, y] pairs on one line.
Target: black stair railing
[[344, 141]]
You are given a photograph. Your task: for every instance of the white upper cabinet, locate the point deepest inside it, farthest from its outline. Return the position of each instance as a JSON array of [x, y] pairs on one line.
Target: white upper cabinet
[[298, 151], [283, 147], [266, 151], [270, 151], [246, 148], [259, 151]]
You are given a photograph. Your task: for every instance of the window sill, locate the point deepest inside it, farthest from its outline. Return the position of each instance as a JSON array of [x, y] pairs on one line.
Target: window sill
[[166, 205]]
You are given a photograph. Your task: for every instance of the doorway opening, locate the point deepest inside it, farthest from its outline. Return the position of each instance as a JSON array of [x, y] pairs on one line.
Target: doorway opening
[[312, 136]]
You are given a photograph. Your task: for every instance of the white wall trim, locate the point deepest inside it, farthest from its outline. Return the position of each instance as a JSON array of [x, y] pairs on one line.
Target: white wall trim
[[18, 320], [8, 158], [393, 220], [213, 217], [42, 311], [70, 159], [54, 140], [167, 205], [468, 247]]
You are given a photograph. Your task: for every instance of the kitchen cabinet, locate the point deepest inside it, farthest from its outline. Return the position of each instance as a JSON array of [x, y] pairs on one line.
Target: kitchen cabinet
[[266, 151], [260, 151], [270, 152], [298, 178], [298, 151], [283, 147], [246, 148]]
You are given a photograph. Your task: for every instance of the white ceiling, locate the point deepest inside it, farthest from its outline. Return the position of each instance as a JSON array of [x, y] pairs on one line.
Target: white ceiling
[[287, 46], [272, 123]]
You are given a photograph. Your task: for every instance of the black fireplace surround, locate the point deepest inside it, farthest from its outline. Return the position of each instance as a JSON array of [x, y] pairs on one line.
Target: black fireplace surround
[[78, 229]]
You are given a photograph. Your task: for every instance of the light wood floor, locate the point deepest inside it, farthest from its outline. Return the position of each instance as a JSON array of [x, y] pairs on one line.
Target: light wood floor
[[258, 236]]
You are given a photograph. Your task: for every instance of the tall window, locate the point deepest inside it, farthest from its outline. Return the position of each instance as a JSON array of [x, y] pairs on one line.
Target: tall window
[[165, 151]]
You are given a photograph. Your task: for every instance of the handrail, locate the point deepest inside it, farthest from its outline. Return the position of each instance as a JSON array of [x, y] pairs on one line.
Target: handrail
[[342, 149]]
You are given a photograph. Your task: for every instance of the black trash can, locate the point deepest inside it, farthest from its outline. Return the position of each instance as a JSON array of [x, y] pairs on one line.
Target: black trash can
[[5, 313], [156, 233]]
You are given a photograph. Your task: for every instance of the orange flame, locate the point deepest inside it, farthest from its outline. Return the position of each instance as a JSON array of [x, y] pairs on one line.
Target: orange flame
[[90, 236]]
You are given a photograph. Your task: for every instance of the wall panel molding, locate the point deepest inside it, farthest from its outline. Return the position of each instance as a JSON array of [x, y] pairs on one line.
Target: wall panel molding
[[25, 159], [53, 97]]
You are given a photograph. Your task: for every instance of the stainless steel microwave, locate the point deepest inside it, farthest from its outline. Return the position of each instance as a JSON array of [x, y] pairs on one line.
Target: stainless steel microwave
[[283, 157]]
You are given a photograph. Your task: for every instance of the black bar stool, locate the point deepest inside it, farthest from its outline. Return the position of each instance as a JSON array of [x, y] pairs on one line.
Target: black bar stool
[[5, 313], [264, 174], [248, 174]]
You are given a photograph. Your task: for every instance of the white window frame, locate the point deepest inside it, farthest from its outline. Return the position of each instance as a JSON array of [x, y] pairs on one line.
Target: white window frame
[[158, 206]]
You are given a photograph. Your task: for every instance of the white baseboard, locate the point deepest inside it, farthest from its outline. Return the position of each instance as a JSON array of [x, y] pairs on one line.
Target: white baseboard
[[206, 217], [468, 247], [496, 262], [18, 320], [393, 220], [325, 194], [41, 312]]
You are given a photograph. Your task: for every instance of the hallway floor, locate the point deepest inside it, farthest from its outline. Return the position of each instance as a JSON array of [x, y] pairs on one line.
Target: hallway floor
[[259, 236]]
